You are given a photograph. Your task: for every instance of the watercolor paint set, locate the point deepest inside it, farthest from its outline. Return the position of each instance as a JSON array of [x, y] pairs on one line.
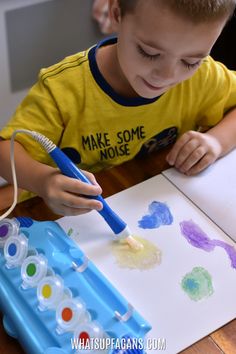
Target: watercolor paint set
[[52, 295]]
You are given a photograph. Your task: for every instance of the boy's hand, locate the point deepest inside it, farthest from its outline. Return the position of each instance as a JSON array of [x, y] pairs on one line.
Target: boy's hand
[[193, 152], [67, 196]]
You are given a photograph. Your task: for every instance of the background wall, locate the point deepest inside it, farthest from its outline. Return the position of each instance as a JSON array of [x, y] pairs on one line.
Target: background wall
[[36, 34], [225, 49]]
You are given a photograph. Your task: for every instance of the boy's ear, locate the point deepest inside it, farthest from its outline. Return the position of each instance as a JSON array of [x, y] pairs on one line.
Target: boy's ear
[[114, 14]]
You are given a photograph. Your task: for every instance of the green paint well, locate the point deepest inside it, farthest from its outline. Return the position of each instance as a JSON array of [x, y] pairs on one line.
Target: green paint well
[[31, 269], [197, 284]]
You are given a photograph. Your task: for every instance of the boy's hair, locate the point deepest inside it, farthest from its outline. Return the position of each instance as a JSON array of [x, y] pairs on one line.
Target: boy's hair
[[194, 10]]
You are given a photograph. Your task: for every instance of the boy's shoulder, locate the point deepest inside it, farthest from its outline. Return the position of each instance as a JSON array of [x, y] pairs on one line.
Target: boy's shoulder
[[65, 66], [211, 72], [211, 65]]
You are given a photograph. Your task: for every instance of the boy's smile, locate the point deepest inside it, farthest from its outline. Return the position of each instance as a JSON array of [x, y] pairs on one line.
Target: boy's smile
[[156, 49]]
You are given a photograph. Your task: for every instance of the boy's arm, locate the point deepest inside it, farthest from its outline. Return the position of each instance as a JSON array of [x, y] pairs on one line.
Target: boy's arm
[[64, 195], [194, 151]]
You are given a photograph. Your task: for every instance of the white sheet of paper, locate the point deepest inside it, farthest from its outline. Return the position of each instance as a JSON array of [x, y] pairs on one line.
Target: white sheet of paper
[[213, 191], [157, 293]]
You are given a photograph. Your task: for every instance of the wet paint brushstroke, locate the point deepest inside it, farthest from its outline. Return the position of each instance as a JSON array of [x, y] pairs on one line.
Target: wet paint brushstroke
[[197, 284], [159, 214], [146, 258], [70, 231], [198, 238]]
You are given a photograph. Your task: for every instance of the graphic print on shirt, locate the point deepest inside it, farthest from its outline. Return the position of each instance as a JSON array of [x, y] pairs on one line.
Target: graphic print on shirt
[[102, 143], [120, 146], [159, 141]]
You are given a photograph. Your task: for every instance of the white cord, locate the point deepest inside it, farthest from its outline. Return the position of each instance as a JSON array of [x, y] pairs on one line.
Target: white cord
[[44, 141]]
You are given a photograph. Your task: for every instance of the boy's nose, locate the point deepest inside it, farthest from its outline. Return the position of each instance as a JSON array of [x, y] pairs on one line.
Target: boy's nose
[[164, 73]]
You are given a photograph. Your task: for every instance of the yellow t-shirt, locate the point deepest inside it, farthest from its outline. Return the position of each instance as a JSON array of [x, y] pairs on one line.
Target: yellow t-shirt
[[75, 107]]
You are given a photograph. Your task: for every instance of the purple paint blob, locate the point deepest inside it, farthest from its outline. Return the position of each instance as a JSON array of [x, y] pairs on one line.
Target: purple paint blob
[[231, 251], [197, 238], [3, 230]]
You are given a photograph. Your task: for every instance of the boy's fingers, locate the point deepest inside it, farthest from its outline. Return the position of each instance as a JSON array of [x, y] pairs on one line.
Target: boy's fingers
[[187, 153], [91, 177], [172, 156], [79, 202], [200, 166], [76, 186], [192, 159]]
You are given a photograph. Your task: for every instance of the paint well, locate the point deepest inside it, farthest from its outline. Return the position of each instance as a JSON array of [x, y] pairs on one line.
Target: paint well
[[31, 269], [3, 230], [67, 314], [47, 291], [84, 338], [12, 249]]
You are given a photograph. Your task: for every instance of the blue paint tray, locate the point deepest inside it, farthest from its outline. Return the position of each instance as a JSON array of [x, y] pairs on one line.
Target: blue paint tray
[[53, 298]]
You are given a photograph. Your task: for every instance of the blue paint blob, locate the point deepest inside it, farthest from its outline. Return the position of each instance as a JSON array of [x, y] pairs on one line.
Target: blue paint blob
[[12, 249], [191, 284], [148, 222], [159, 214]]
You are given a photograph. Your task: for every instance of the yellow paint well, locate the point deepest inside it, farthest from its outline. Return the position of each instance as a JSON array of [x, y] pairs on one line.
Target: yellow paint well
[[47, 291]]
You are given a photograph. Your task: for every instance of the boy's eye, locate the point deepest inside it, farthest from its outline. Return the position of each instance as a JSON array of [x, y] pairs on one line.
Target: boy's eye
[[191, 66], [146, 55]]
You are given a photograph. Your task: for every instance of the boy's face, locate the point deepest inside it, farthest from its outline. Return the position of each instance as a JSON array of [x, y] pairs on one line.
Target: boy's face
[[158, 49]]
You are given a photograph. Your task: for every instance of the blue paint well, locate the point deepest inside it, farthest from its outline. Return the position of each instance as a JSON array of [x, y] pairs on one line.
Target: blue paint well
[[159, 214], [12, 249]]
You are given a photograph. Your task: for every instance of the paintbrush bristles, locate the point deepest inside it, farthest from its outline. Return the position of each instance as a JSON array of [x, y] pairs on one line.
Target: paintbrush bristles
[[134, 244]]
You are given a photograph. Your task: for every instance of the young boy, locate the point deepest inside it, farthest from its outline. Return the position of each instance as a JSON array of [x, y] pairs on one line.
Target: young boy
[[140, 91]]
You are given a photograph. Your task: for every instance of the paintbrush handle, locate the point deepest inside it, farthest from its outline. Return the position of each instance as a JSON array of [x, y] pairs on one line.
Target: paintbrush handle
[[68, 168]]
